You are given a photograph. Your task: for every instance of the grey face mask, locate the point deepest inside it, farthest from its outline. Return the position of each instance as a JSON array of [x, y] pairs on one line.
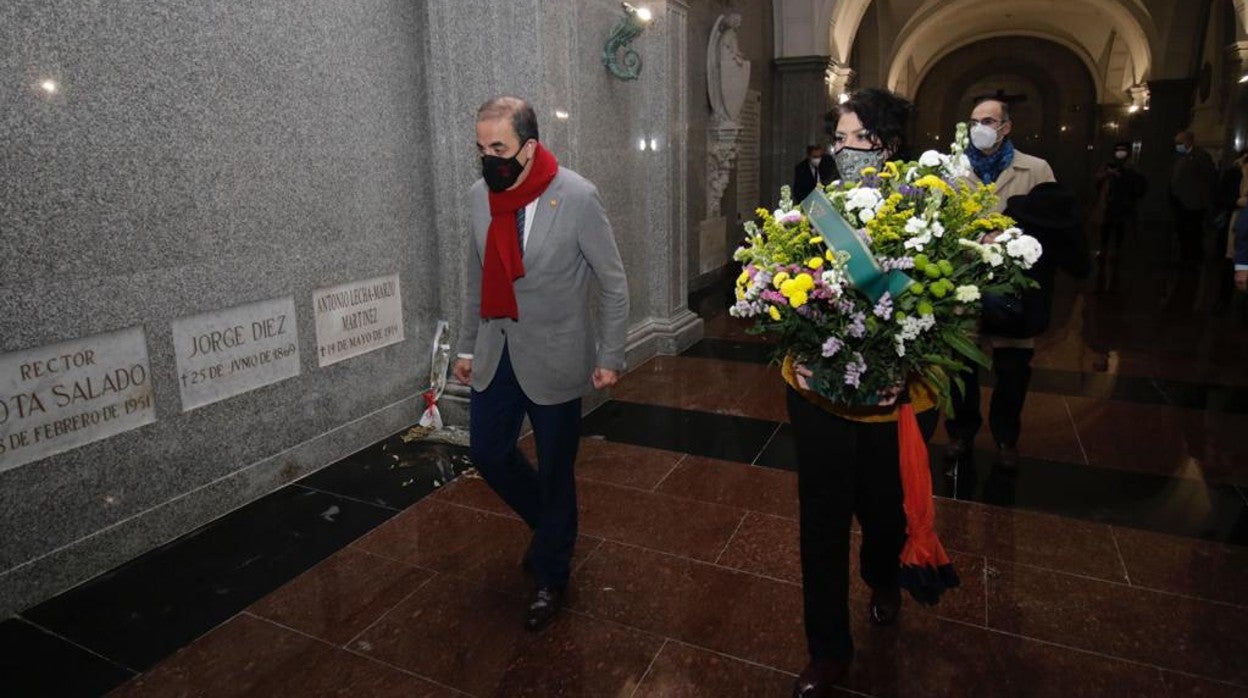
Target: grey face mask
[[850, 162]]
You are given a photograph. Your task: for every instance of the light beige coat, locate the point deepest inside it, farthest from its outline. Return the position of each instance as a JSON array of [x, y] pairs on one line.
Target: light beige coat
[[1025, 172]]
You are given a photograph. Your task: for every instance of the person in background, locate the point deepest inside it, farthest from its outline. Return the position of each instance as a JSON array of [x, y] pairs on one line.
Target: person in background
[[815, 170], [1231, 198], [1047, 213], [1119, 189], [993, 156], [1191, 192], [995, 161]]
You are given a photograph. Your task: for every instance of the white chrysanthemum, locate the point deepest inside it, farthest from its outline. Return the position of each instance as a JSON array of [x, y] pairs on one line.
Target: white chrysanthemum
[[959, 166], [937, 229], [933, 158], [866, 215], [918, 242], [966, 294], [915, 225], [863, 198], [1024, 248]]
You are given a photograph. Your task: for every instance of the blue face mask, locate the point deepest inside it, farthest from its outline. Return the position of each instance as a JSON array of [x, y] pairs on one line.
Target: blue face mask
[[1182, 149]]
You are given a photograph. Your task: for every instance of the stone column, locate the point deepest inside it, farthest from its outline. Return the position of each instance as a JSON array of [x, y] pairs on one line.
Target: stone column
[[1237, 101], [1170, 103], [800, 100]]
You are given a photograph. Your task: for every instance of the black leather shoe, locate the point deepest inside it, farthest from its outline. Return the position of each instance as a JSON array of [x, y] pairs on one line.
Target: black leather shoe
[[543, 608], [885, 604], [818, 678]]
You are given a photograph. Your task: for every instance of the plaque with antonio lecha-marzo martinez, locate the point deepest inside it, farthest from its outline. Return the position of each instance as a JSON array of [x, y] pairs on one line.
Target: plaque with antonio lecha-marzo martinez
[[356, 318], [61, 396]]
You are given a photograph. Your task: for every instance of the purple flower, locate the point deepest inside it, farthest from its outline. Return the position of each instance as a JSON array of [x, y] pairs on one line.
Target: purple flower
[[832, 346], [858, 328], [774, 297], [907, 190], [884, 308], [854, 370], [892, 263]]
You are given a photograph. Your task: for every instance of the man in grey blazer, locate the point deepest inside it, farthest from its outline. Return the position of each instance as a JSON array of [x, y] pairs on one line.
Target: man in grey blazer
[[529, 344]]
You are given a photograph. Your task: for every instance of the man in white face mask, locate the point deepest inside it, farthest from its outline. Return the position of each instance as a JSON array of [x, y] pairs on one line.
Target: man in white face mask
[[994, 159], [816, 169], [993, 156]]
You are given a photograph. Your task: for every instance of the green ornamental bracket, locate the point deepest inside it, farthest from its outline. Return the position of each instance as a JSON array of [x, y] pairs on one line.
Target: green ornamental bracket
[[630, 26]]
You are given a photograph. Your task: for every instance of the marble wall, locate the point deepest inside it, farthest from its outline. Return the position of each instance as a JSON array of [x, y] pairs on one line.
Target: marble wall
[[166, 160]]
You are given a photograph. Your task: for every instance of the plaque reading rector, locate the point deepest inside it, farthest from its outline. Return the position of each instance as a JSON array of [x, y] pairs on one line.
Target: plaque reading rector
[[228, 352], [61, 396], [356, 318]]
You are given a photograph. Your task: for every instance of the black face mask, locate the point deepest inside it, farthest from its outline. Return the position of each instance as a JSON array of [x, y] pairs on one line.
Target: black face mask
[[501, 173]]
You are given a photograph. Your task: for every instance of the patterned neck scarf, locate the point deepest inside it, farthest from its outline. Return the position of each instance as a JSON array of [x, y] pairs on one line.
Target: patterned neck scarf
[[989, 167]]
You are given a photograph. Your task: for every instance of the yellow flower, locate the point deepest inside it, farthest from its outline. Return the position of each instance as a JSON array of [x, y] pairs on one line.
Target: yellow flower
[[868, 171], [815, 263], [891, 171], [798, 299], [774, 312], [933, 182], [743, 279], [805, 282], [817, 240], [789, 287], [779, 279], [740, 294], [830, 255]]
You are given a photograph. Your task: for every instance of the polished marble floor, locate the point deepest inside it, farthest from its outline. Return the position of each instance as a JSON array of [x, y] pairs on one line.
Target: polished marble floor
[[1113, 563]]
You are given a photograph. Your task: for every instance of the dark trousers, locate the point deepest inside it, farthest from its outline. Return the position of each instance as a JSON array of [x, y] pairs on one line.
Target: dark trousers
[[1114, 228], [546, 497], [1189, 226], [1012, 367], [845, 468]]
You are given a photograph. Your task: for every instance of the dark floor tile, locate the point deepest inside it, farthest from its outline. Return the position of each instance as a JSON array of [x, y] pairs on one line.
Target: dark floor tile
[[392, 473], [735, 613], [725, 327], [933, 657], [688, 431], [251, 657], [1010, 535], [734, 484], [683, 671], [617, 463], [1188, 635], [339, 598], [755, 351], [1047, 430], [37, 663], [478, 546], [473, 492], [1176, 685], [1175, 505], [707, 385], [464, 636], [768, 546], [781, 452], [1215, 571], [680, 526], [142, 611]]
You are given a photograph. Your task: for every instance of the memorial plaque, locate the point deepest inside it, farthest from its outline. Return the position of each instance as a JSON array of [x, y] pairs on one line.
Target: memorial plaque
[[749, 156], [61, 396], [356, 318], [228, 352]]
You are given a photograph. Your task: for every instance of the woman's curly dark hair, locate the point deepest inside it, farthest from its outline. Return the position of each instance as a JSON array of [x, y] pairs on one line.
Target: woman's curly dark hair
[[883, 113]]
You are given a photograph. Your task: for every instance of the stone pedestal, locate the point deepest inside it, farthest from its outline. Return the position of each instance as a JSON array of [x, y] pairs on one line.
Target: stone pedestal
[[800, 100]]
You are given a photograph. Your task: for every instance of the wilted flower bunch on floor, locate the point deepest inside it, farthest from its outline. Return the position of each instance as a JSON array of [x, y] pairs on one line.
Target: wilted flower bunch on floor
[[893, 292]]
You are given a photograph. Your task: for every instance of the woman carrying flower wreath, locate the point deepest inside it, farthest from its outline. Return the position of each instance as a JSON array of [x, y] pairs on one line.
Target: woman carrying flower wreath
[[847, 455], [872, 288]]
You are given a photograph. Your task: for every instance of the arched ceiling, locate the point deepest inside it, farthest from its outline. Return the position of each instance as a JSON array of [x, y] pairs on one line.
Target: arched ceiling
[[1106, 34], [1115, 38]]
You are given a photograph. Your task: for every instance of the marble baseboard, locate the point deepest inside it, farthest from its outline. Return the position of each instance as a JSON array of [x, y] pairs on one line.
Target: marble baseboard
[[44, 577], [656, 336]]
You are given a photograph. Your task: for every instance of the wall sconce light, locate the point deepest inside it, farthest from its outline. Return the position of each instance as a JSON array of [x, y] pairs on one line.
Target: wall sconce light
[[1243, 78], [630, 26]]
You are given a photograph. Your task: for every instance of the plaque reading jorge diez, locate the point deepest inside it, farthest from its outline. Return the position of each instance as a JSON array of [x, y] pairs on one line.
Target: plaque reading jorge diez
[[356, 318], [58, 397], [228, 352]]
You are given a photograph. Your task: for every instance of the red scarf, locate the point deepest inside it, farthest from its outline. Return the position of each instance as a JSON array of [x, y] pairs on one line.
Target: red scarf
[[926, 571], [503, 263]]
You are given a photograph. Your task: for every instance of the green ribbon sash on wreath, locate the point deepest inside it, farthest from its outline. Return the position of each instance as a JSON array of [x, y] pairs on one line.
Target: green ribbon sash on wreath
[[863, 268]]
